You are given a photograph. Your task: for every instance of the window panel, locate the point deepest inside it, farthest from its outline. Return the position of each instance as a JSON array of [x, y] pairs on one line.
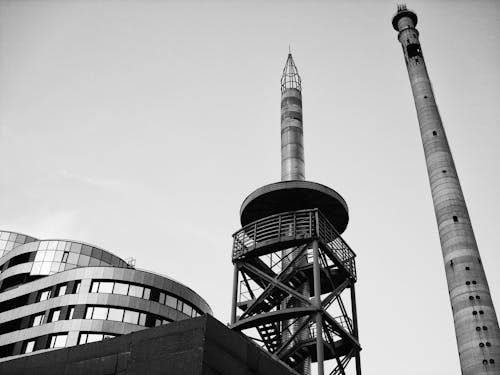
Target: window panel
[[40, 254], [105, 287], [180, 305], [61, 290], [131, 317], [95, 287], [37, 266], [107, 336], [120, 288], [142, 319], [115, 314], [52, 245], [147, 293], [72, 258], [37, 320], [135, 291], [55, 315], [100, 313], [162, 298], [171, 301], [94, 337], [43, 245], [76, 287], [29, 347], [65, 257], [44, 295], [89, 312], [45, 269], [49, 256], [58, 341], [188, 310], [83, 260], [61, 245], [58, 256], [71, 311], [82, 339]]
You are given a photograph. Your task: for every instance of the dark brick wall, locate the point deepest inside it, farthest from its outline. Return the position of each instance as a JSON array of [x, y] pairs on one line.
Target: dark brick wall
[[200, 346]]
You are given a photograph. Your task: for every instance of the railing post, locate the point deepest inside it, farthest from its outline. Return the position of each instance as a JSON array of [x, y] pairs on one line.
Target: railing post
[[316, 214], [254, 236], [235, 294], [317, 302], [355, 327]]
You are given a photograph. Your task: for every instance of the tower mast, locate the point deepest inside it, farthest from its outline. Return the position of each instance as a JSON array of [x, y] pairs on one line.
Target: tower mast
[[476, 325]]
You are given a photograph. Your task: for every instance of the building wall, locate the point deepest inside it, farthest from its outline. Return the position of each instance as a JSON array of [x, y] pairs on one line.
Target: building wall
[[61, 293]]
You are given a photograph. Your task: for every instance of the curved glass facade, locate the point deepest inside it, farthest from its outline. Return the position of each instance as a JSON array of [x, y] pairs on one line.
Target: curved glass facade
[[59, 293]]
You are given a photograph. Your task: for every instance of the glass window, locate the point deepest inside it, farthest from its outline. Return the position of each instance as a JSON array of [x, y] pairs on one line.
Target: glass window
[[29, 347], [171, 301], [147, 293], [88, 312], [82, 339], [76, 247], [61, 245], [37, 320], [135, 291], [83, 260], [95, 287], [44, 295], [55, 315], [105, 287], [186, 309], [58, 256], [162, 298], [72, 258], [45, 270], [100, 313], [76, 287], [180, 305], [52, 245], [40, 254], [71, 311], [120, 288], [65, 257], [94, 337], [58, 341], [115, 314], [37, 266], [43, 245], [142, 319], [131, 317], [107, 336], [61, 290], [49, 256]]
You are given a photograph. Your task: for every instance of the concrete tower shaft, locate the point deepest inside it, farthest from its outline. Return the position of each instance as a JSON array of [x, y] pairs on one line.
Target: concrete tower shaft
[[476, 325], [292, 144]]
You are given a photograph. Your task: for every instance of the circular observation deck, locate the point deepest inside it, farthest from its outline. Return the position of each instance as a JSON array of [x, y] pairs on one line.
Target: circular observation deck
[[295, 195], [403, 13]]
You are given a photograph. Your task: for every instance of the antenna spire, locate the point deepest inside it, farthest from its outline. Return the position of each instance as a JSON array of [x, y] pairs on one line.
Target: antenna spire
[[290, 78]]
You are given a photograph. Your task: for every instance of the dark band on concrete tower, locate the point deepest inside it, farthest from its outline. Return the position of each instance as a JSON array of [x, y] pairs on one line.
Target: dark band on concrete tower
[[476, 325], [291, 266]]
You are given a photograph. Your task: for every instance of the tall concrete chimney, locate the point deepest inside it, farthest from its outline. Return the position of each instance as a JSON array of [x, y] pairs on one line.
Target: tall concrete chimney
[[476, 325]]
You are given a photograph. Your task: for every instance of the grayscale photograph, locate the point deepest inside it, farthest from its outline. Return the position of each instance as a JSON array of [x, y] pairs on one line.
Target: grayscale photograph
[[230, 187]]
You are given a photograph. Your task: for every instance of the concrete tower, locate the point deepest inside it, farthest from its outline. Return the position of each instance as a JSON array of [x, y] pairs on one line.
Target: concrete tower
[[291, 266], [476, 325]]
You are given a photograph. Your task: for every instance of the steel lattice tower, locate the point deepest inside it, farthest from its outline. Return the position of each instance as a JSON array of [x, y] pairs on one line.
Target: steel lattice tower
[[291, 266], [476, 325]]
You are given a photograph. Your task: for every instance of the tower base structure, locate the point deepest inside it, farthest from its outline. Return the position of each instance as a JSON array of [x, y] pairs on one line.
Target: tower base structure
[[305, 219]]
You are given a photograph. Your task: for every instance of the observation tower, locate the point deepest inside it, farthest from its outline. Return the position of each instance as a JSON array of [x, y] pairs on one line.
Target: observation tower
[[476, 325], [292, 268]]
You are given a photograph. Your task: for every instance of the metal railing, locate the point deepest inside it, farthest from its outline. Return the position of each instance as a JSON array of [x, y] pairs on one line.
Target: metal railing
[[289, 226]]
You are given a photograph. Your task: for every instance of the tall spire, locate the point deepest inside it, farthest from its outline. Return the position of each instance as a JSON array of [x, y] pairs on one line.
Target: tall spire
[[292, 144], [290, 78]]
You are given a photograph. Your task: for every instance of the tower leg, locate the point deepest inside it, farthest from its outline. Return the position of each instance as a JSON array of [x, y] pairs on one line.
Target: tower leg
[[235, 294], [319, 319]]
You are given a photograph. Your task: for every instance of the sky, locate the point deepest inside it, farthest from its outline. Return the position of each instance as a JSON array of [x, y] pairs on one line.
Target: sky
[[141, 126]]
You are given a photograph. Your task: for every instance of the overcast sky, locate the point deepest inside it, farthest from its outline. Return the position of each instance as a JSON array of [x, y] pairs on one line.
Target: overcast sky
[[140, 127]]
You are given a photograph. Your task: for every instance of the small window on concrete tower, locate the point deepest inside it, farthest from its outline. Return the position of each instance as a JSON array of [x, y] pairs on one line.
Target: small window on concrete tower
[[434, 132], [413, 50], [455, 219]]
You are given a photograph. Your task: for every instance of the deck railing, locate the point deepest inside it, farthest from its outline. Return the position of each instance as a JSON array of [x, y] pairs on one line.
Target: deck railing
[[289, 226]]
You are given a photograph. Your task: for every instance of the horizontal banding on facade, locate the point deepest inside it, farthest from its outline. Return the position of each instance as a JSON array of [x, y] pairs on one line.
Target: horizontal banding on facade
[[54, 309]]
